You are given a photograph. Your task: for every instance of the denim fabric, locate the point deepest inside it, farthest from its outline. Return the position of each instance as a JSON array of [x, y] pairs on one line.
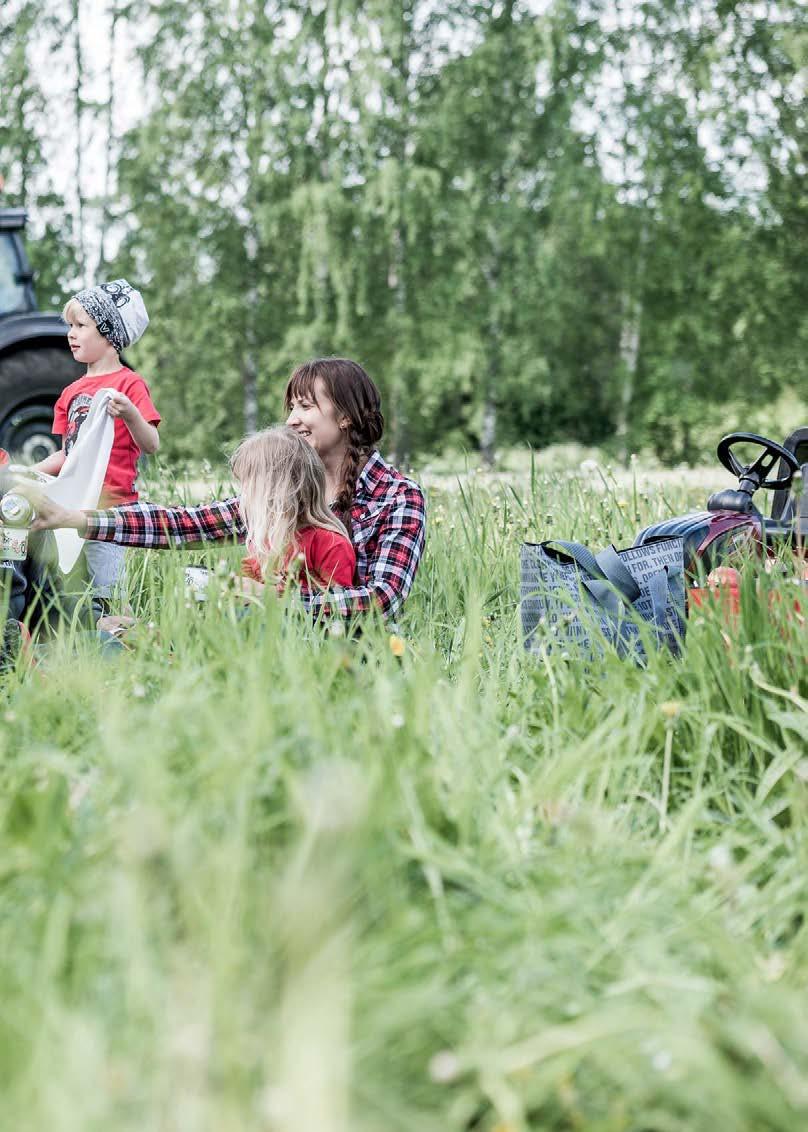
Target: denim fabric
[[105, 566]]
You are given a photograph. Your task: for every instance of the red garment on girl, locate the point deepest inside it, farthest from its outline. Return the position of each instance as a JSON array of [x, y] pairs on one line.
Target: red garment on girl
[[327, 556]]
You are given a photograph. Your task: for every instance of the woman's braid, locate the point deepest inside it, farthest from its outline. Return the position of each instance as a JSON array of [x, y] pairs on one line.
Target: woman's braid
[[362, 440], [350, 474]]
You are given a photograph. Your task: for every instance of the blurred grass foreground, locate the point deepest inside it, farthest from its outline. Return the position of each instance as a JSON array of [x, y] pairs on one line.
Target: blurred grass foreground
[[258, 876]]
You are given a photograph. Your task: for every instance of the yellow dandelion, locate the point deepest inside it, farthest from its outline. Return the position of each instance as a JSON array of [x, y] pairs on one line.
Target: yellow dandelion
[[398, 646], [671, 709]]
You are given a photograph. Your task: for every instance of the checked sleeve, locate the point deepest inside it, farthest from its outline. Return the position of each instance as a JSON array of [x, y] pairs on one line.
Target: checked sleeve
[[161, 528], [391, 568]]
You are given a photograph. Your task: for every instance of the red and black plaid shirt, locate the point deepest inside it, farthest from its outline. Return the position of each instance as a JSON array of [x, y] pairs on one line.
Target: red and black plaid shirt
[[388, 528]]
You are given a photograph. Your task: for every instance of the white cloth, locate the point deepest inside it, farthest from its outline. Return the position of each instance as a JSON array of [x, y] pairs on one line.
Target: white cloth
[[78, 485]]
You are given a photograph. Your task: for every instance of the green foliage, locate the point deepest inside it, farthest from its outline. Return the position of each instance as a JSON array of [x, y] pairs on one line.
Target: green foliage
[[532, 223], [259, 876], [24, 128]]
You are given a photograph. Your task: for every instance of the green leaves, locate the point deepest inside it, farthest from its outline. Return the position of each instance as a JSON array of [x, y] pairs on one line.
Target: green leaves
[[532, 223]]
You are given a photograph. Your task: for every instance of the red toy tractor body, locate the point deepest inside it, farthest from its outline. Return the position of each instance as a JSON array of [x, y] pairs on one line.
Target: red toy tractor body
[[717, 540]]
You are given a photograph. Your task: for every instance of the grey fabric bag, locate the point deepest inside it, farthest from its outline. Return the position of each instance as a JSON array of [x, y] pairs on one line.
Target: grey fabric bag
[[572, 597]]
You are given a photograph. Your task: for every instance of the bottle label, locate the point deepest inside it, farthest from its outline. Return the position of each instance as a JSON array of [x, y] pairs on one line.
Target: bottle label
[[13, 543]]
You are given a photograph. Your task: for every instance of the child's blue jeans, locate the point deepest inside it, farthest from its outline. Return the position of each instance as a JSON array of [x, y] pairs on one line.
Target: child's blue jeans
[[105, 566]]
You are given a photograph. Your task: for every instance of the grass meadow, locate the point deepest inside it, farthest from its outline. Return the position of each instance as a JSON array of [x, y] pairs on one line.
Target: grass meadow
[[257, 876]]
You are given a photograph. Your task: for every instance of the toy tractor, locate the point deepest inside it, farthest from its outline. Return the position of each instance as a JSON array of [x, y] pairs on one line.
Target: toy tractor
[[717, 540], [35, 362]]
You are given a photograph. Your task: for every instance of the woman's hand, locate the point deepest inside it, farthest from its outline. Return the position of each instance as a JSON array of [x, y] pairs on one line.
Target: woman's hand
[[49, 515], [55, 517]]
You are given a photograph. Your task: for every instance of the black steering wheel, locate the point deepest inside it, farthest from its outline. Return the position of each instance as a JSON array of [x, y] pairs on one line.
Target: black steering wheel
[[754, 475]]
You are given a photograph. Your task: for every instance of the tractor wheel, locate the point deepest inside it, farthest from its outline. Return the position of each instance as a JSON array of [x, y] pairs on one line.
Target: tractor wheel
[[26, 435], [38, 373]]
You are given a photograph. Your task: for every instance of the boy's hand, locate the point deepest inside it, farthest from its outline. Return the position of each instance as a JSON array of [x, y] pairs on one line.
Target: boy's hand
[[143, 433], [119, 405]]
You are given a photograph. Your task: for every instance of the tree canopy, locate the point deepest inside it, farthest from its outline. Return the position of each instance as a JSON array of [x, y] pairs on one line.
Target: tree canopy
[[532, 222]]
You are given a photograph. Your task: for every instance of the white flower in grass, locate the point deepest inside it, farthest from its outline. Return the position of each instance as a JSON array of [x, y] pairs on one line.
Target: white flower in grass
[[719, 858], [79, 791], [772, 966], [444, 1067], [139, 691], [397, 721], [662, 1061], [524, 835]]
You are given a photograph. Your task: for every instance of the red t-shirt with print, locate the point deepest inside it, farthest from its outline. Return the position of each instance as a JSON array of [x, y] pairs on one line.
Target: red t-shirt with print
[[71, 411], [329, 557]]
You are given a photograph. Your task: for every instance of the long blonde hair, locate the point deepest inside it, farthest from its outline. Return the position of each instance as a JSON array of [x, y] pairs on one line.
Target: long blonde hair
[[282, 490]]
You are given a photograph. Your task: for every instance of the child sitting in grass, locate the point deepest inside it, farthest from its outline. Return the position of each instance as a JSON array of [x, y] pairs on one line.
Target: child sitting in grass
[[290, 529]]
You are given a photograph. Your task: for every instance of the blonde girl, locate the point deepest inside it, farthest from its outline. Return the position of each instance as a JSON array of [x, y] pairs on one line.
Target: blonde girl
[[285, 514]]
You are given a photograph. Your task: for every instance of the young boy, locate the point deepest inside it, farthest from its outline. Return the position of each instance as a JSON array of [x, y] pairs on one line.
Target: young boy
[[102, 321]]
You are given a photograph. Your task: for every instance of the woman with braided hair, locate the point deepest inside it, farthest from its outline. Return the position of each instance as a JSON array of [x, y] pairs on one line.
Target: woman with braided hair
[[335, 407]]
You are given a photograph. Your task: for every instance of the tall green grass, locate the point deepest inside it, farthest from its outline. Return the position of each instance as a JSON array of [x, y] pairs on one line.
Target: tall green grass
[[259, 876]]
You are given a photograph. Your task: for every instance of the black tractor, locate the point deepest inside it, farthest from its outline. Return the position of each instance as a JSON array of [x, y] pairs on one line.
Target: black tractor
[[35, 362]]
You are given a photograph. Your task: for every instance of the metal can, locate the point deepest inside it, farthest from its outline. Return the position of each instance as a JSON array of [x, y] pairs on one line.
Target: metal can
[[16, 510], [16, 514]]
